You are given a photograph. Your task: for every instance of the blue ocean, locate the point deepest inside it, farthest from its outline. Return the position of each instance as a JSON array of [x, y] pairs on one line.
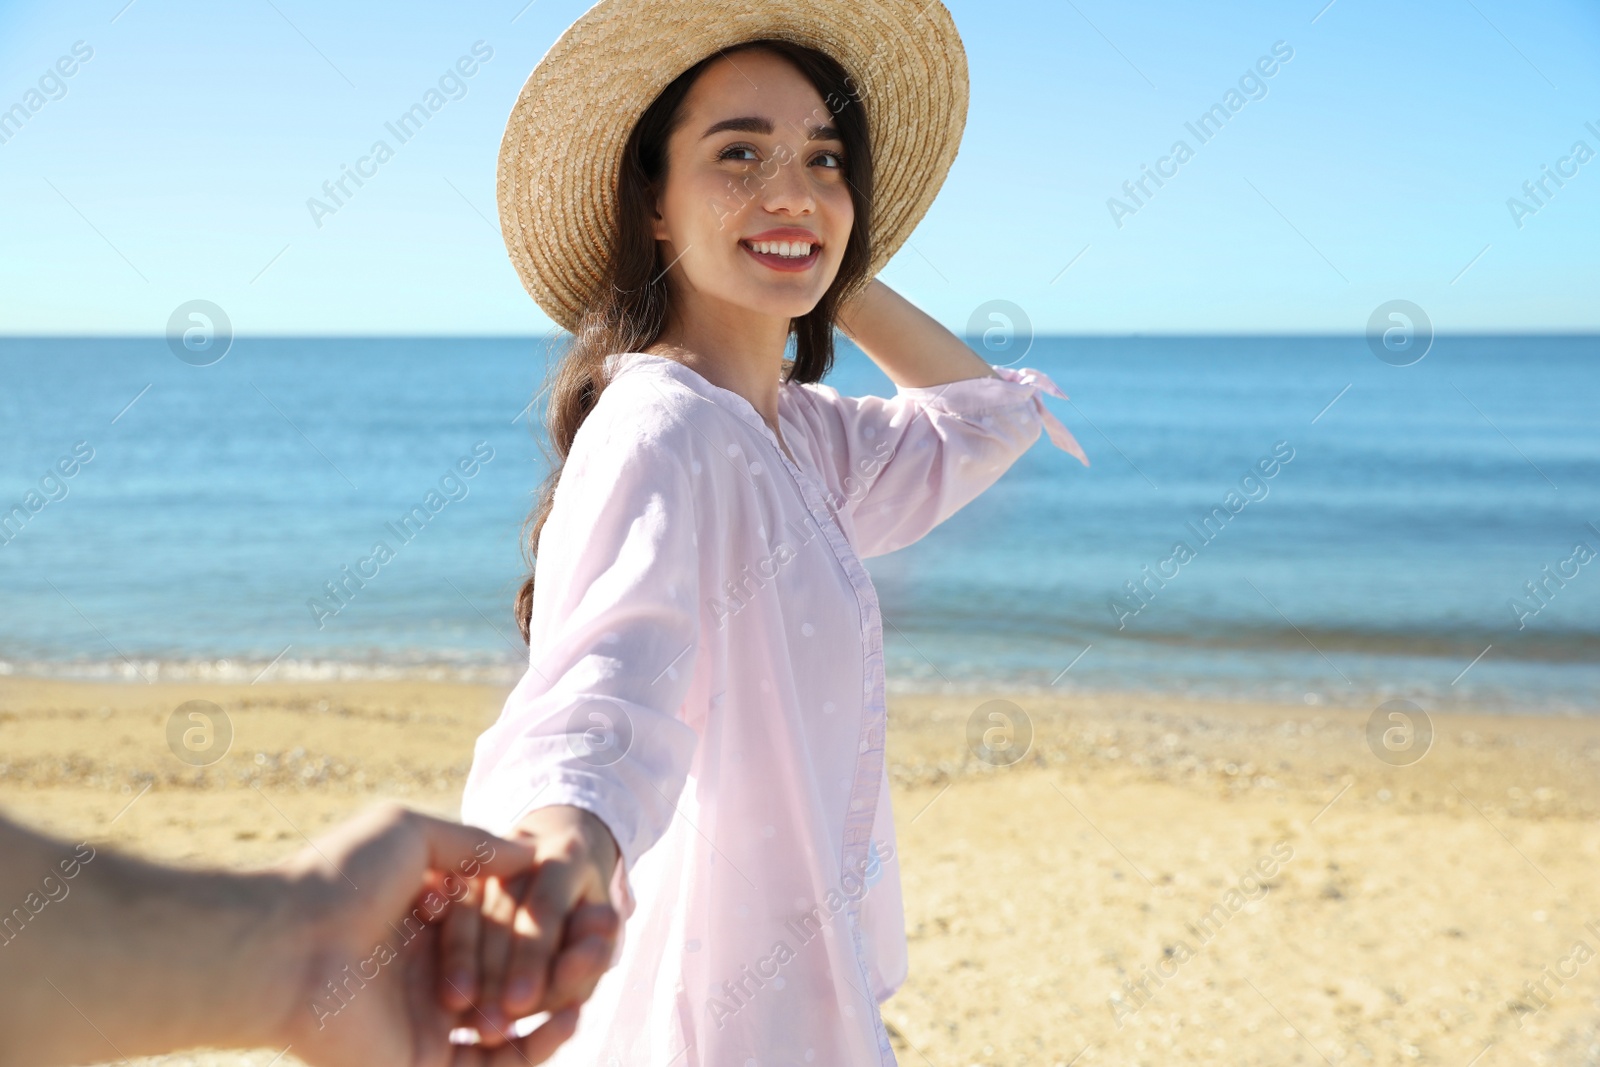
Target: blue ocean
[[1283, 518]]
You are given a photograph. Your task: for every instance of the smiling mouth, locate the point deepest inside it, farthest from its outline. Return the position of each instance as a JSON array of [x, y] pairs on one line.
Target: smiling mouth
[[784, 255]]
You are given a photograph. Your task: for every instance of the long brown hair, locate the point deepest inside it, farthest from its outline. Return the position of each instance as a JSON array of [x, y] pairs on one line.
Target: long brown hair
[[629, 309]]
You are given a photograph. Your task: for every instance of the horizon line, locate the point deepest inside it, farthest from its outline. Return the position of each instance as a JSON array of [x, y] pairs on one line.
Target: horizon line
[[1589, 332]]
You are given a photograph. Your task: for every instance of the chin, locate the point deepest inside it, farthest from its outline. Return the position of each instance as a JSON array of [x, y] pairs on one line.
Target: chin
[[792, 309], [779, 305]]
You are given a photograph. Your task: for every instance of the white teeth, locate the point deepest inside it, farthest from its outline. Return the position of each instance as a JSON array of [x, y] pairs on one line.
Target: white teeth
[[787, 249]]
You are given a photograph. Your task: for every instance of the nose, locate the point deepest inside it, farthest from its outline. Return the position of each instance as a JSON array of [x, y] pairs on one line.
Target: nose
[[789, 190]]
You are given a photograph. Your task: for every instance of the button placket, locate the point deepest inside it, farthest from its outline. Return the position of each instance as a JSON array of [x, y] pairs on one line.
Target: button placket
[[870, 747]]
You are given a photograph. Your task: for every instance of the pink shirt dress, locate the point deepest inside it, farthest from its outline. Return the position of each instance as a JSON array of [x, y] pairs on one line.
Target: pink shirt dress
[[707, 677]]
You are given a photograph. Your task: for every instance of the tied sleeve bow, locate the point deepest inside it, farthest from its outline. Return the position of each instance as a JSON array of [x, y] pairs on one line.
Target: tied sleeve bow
[[1060, 436]]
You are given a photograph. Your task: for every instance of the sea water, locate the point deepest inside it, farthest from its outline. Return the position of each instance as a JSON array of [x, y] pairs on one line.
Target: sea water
[[1287, 518]]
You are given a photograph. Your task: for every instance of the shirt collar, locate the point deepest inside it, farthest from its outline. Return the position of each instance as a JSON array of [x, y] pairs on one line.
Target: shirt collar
[[726, 399]]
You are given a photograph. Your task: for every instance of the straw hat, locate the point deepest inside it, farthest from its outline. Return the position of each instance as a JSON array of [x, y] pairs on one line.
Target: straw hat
[[557, 172]]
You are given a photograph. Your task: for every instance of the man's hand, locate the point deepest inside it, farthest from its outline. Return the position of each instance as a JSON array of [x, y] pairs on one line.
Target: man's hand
[[369, 898], [333, 954], [539, 941]]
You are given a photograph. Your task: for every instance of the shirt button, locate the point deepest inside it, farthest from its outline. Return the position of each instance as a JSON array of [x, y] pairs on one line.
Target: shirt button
[[807, 629]]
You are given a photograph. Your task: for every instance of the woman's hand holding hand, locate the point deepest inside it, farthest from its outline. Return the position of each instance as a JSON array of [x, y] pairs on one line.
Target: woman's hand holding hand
[[539, 941]]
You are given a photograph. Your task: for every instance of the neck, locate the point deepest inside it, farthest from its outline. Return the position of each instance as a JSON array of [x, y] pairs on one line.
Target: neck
[[733, 348]]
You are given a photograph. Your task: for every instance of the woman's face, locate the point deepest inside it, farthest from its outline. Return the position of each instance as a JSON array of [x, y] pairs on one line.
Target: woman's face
[[773, 172]]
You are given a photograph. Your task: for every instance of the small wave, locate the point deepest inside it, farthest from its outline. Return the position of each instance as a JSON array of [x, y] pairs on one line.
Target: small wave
[[1558, 646]]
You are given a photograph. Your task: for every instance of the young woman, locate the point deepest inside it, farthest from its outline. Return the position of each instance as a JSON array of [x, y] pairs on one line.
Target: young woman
[[699, 737]]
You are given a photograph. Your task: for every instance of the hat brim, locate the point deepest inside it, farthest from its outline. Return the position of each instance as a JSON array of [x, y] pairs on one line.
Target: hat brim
[[557, 172]]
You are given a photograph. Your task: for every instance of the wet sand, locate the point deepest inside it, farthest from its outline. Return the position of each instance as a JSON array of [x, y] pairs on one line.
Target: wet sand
[[1155, 882]]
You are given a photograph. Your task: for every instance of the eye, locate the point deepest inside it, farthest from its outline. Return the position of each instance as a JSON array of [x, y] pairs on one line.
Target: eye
[[838, 159], [727, 153]]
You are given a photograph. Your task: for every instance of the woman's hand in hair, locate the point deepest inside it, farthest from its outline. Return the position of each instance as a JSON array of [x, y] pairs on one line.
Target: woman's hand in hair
[[910, 346], [541, 941]]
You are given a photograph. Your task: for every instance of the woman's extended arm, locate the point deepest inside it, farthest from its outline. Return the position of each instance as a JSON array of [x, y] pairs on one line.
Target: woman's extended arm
[[911, 347], [592, 750]]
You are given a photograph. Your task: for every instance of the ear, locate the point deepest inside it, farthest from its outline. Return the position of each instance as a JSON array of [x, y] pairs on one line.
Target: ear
[[658, 225]]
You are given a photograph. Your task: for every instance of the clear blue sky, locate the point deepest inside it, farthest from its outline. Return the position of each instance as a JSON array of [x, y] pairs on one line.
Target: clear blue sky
[[178, 162]]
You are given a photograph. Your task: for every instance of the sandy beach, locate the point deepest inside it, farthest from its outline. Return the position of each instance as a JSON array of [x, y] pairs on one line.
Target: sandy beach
[[1155, 882]]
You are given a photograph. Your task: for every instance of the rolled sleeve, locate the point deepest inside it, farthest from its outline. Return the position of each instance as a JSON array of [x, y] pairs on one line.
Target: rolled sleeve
[[908, 462], [597, 721]]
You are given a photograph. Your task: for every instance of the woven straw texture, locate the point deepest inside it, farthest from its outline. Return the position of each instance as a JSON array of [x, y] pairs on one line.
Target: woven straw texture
[[556, 177]]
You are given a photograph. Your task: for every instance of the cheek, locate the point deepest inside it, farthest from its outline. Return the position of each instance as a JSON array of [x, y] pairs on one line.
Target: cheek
[[841, 213], [706, 208]]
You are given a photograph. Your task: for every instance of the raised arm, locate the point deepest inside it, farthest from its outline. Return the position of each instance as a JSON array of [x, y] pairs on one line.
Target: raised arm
[[901, 465], [911, 347]]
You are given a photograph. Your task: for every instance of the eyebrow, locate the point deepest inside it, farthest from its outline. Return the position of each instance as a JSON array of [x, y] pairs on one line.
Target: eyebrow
[[755, 124]]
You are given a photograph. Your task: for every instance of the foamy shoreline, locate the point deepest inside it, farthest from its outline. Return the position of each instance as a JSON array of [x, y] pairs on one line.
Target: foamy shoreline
[[506, 671]]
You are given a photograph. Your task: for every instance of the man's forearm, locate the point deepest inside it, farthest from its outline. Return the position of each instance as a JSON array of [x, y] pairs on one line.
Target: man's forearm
[[911, 347], [122, 957]]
